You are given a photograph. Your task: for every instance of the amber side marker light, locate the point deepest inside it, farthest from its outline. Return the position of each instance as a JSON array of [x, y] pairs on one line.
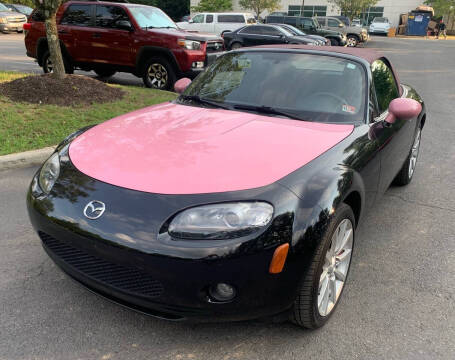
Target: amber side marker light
[[278, 259]]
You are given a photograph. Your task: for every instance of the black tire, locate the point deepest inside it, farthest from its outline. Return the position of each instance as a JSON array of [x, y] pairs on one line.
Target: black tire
[[20, 31], [236, 45], [334, 42], [352, 40], [165, 76], [69, 68], [105, 73], [405, 175], [305, 312]]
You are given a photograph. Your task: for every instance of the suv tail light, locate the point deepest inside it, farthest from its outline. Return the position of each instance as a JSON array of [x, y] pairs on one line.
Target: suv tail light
[[27, 26]]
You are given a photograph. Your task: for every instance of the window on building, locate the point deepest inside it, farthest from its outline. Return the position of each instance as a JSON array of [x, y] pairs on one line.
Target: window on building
[[308, 10], [369, 14]]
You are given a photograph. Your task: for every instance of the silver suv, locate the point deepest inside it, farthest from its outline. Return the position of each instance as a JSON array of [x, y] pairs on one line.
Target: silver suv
[[11, 20]]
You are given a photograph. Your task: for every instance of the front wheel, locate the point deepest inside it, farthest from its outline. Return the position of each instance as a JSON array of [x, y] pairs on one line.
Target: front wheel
[[323, 283], [406, 173], [236, 45], [352, 41], [159, 74]]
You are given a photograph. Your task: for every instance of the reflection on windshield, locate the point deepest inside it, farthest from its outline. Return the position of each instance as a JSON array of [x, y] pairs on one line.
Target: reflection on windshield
[[149, 17], [313, 87]]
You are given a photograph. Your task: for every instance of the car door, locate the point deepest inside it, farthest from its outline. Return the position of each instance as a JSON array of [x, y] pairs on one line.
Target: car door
[[334, 24], [307, 25], [196, 23], [396, 138], [209, 24], [273, 35], [251, 35], [112, 44], [75, 30]]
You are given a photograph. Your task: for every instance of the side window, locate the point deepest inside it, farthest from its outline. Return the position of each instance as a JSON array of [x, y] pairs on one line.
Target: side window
[[209, 19], [198, 19], [307, 23], [231, 19], [333, 23], [384, 84], [108, 16], [78, 15], [322, 21], [271, 31]]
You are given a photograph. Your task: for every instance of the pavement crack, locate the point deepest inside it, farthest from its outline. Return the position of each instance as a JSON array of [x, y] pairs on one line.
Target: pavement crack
[[420, 203]]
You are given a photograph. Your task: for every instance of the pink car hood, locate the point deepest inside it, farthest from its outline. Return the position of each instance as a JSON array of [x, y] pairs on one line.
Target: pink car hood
[[177, 149]]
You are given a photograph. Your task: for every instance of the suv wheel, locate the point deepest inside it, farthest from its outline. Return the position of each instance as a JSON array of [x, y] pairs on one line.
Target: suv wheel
[[48, 67], [158, 74], [105, 73], [236, 45], [334, 42], [352, 41]]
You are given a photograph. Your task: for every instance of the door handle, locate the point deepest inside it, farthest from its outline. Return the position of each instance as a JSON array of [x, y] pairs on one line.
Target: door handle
[[96, 35]]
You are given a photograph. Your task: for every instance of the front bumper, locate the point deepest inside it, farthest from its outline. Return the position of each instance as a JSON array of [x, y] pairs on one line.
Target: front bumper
[[124, 258], [11, 27]]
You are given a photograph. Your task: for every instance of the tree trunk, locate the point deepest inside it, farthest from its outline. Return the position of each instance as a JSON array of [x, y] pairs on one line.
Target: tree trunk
[[54, 48]]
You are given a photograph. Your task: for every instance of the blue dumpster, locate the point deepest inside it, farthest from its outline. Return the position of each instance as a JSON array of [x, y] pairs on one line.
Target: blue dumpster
[[418, 23]]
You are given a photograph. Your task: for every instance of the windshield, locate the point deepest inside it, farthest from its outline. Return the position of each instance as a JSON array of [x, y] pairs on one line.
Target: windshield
[[24, 9], [3, 7], [380, 20], [150, 17], [309, 87]]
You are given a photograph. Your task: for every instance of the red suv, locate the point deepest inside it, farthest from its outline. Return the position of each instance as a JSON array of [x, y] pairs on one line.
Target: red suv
[[108, 37]]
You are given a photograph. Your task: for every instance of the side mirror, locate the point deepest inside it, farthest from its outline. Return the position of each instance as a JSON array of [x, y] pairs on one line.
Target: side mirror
[[181, 85], [190, 21], [124, 25], [403, 108]]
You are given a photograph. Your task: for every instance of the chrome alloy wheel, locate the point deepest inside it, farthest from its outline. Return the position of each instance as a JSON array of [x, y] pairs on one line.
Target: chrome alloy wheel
[[158, 75], [414, 153], [351, 42], [335, 268], [49, 66]]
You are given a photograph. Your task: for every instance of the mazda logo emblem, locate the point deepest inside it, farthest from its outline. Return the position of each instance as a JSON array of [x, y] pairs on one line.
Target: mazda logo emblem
[[94, 209]]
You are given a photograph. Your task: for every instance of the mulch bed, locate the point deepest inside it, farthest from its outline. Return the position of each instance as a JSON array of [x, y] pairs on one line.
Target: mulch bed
[[73, 90]]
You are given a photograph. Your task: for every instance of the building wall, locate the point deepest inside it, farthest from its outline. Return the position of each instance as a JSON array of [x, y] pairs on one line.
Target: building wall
[[392, 8]]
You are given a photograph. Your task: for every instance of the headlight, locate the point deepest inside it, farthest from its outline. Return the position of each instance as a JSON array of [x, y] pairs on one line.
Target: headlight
[[49, 173], [221, 221], [3, 21], [189, 44]]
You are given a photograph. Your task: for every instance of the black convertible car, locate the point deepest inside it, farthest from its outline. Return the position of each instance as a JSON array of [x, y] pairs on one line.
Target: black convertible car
[[241, 198], [254, 35]]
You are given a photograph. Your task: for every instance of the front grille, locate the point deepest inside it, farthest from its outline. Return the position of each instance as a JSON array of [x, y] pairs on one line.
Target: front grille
[[214, 47], [16, 19], [123, 278]]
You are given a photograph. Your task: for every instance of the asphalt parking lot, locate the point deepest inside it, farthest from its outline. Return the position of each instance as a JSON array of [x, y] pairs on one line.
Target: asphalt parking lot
[[400, 298]]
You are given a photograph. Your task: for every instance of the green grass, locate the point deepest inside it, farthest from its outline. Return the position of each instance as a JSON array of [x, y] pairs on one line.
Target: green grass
[[25, 126]]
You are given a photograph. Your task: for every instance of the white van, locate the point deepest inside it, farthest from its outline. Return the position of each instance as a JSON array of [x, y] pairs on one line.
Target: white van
[[217, 23]]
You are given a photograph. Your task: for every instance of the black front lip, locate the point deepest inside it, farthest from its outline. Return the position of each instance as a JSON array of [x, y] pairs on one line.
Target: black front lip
[[185, 268]]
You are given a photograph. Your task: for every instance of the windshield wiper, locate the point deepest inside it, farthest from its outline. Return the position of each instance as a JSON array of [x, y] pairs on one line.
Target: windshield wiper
[[198, 99], [267, 110]]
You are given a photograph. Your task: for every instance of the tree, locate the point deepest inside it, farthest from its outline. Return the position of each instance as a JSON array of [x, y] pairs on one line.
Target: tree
[[213, 5], [353, 8], [49, 9], [442, 7], [258, 6]]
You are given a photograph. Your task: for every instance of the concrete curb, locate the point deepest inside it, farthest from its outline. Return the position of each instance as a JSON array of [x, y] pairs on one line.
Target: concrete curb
[[25, 159]]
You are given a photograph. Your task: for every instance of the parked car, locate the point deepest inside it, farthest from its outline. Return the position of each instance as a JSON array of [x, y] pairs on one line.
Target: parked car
[[310, 26], [11, 20], [379, 25], [217, 23], [297, 32], [148, 43], [240, 199], [253, 35], [354, 34], [23, 9]]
